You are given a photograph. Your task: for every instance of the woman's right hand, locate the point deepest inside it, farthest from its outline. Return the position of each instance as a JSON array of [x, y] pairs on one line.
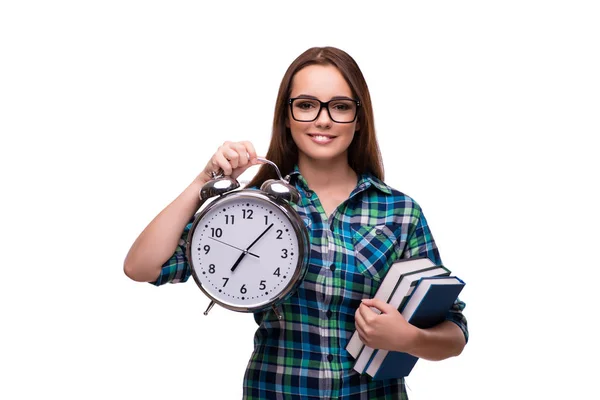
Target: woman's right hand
[[233, 158]]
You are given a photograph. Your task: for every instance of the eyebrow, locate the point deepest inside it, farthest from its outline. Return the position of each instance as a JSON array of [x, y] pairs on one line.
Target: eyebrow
[[308, 96]]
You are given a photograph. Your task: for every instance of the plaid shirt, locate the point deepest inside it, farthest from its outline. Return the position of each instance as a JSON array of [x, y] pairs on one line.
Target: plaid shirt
[[303, 356]]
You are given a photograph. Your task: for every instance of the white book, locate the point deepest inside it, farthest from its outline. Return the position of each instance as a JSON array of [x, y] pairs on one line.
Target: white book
[[406, 283]]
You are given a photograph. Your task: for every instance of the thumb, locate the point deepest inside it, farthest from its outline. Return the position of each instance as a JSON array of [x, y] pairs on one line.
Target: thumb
[[382, 306]]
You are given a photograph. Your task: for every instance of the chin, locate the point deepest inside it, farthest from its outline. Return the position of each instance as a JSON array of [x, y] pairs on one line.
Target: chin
[[324, 154]]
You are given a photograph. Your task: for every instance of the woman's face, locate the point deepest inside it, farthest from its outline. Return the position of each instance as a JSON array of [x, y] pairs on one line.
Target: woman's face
[[322, 139]]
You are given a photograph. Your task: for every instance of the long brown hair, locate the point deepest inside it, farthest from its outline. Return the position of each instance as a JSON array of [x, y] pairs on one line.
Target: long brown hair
[[363, 153]]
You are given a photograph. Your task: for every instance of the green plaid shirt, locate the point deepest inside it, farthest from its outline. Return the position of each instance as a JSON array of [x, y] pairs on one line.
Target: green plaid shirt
[[303, 356]]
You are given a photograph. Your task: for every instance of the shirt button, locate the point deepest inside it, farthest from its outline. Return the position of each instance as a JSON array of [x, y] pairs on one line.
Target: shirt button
[[332, 267], [329, 313], [329, 358]]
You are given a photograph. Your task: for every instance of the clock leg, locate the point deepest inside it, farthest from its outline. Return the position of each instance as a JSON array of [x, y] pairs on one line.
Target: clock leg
[[212, 303]]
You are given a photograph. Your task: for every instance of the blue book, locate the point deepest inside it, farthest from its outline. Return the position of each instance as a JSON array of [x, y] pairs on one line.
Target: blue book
[[426, 307]]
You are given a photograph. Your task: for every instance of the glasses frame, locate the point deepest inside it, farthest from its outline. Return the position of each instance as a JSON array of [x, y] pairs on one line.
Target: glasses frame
[[322, 105]]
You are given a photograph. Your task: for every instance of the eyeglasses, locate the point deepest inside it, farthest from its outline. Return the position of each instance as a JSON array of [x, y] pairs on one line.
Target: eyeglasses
[[341, 110]]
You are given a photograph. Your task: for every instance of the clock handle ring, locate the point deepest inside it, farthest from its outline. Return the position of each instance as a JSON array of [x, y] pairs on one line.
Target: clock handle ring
[[264, 160]]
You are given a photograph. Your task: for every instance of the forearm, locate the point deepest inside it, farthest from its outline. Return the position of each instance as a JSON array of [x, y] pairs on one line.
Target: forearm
[[439, 342], [158, 241]]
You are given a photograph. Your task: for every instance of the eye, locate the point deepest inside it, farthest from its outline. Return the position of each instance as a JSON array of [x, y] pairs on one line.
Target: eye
[[305, 105], [343, 106]]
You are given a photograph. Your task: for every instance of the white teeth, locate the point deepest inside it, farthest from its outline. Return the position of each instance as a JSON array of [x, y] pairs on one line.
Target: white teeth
[[321, 137]]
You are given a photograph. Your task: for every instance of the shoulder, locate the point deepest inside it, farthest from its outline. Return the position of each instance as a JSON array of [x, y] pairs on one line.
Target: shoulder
[[391, 196]]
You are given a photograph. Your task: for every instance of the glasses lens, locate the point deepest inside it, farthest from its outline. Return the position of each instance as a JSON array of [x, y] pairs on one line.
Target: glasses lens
[[342, 110], [305, 109]]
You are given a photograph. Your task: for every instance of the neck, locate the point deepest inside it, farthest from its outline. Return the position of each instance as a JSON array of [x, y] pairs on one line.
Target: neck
[[327, 174]]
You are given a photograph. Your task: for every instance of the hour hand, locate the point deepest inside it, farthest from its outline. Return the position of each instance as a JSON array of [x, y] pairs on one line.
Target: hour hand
[[238, 261]]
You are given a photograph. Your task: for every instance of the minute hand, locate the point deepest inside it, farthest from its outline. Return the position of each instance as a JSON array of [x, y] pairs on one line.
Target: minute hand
[[248, 248]]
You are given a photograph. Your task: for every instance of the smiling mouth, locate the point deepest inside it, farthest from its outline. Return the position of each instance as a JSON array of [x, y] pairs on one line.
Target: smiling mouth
[[321, 136]]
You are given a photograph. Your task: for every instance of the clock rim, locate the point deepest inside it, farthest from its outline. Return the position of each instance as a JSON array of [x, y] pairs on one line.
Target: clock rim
[[299, 229]]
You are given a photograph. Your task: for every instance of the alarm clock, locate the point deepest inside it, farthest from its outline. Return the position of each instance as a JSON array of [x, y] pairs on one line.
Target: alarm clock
[[248, 249]]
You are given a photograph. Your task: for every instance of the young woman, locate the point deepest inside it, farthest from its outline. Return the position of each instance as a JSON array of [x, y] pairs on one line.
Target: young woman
[[324, 138]]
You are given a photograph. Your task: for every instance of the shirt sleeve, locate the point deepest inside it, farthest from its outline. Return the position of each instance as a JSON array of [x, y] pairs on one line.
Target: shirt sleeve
[[177, 268], [420, 243], [455, 315]]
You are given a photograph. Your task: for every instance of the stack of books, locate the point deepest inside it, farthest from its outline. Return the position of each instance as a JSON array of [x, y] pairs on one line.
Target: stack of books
[[423, 293]]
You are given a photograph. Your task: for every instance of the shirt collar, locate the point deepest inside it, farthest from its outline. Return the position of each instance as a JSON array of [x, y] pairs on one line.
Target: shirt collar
[[297, 178], [367, 180]]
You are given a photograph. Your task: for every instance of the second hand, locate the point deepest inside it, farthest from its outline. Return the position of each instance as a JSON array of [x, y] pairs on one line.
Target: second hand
[[237, 248]]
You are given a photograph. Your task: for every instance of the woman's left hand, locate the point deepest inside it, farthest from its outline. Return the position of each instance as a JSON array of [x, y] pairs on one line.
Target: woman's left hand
[[388, 330]]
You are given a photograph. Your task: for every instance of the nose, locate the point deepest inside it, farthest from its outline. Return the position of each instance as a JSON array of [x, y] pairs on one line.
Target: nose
[[323, 118]]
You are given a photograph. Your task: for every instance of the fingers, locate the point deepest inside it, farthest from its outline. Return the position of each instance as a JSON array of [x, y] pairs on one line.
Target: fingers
[[250, 150], [367, 313], [219, 161], [362, 321], [360, 328], [359, 321], [378, 304], [236, 154], [233, 158]]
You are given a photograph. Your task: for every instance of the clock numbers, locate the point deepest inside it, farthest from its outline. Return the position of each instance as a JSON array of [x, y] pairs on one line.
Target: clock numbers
[[266, 220], [228, 217], [206, 249], [279, 233], [284, 255], [243, 289], [262, 285], [218, 232], [247, 214], [276, 273], [211, 268], [226, 280]]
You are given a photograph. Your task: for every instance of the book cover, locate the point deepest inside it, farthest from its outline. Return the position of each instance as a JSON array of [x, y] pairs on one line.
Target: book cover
[[428, 305], [396, 299]]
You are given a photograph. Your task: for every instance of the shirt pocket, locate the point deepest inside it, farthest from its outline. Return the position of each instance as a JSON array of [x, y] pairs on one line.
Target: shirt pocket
[[375, 249]]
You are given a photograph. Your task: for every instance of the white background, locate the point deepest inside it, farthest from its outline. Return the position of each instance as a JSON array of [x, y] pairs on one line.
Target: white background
[[487, 114]]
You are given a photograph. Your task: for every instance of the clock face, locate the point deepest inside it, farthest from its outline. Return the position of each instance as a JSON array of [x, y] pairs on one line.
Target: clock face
[[245, 251]]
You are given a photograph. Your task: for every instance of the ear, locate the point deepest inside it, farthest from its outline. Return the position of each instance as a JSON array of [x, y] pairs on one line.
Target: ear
[[357, 128]]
